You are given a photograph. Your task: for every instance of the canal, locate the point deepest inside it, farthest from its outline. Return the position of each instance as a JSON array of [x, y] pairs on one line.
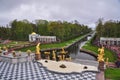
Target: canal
[[75, 52]]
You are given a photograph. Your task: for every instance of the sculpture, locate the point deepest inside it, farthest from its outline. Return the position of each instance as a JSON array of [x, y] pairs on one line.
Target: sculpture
[[101, 58], [60, 57], [28, 52], [47, 54], [38, 48], [19, 53], [5, 50], [63, 52], [101, 54], [101, 50], [54, 55], [14, 53], [107, 62], [0, 51], [37, 54]]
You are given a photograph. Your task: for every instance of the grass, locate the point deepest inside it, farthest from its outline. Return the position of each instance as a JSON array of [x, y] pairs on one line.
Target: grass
[[54, 45], [14, 43], [108, 54], [112, 73]]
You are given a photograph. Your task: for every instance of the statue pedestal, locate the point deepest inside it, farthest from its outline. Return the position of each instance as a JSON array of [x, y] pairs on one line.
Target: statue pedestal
[[37, 56], [101, 66]]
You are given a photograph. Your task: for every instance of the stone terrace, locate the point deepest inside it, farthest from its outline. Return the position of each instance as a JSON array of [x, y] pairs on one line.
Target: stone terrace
[[35, 71]]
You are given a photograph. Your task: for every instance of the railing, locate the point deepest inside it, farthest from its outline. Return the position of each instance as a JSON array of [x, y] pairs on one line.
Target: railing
[[17, 59]]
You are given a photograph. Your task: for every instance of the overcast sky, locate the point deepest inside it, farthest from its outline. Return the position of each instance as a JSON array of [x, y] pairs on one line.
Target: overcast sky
[[85, 11]]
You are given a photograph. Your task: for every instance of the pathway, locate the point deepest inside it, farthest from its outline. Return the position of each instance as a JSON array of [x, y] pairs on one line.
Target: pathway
[[35, 71]]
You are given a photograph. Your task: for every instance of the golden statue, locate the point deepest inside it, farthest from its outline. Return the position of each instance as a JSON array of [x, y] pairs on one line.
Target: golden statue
[[101, 50], [37, 53], [28, 52], [101, 54], [0, 50], [14, 53], [63, 52], [100, 58], [38, 48], [54, 55], [60, 57], [107, 62], [47, 54], [4, 48]]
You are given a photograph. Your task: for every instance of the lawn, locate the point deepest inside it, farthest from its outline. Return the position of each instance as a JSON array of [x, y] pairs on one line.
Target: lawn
[[43, 46], [54, 45], [112, 73], [108, 54], [14, 43]]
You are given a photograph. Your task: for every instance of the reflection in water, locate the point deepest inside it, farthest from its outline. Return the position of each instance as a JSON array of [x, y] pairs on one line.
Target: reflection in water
[[75, 52]]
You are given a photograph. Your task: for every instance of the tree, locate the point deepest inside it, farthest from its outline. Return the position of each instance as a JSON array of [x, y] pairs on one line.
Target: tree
[[21, 30]]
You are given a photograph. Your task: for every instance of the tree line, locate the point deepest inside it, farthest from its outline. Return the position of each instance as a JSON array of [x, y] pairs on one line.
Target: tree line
[[63, 30], [108, 29]]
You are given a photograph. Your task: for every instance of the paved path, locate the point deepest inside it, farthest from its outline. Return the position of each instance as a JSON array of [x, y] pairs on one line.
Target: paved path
[[35, 71], [100, 76]]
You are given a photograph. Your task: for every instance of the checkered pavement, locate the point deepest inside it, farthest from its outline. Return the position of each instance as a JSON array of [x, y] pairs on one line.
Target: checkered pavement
[[35, 71]]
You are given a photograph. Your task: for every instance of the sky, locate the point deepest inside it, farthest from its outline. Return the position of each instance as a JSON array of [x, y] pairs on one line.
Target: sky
[[86, 12]]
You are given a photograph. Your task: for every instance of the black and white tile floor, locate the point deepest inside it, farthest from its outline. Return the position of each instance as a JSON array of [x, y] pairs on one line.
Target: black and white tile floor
[[35, 71]]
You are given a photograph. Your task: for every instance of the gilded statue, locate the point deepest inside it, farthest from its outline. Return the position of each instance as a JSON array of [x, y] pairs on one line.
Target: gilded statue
[[0, 51], [63, 51], [38, 48], [100, 58], [54, 55], [107, 62], [47, 54], [101, 54], [101, 50]]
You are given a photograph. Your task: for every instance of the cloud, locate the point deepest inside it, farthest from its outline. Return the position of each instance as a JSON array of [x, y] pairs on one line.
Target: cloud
[[84, 11]]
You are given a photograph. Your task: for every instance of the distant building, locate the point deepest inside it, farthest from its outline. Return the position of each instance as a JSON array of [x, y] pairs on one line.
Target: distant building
[[109, 41], [43, 39]]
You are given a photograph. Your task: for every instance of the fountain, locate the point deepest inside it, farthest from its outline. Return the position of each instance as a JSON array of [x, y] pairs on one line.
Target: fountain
[[16, 56]]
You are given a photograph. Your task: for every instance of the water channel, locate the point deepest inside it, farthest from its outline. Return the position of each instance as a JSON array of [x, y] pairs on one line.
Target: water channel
[[75, 52]]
